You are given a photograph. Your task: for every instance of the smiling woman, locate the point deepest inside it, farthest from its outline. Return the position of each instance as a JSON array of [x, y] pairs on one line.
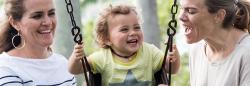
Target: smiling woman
[[25, 39], [219, 32]]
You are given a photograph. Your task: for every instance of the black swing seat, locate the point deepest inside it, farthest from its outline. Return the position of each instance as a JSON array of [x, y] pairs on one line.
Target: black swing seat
[[96, 79]]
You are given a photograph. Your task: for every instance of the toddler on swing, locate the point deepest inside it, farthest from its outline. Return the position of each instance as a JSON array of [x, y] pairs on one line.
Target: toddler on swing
[[124, 59]]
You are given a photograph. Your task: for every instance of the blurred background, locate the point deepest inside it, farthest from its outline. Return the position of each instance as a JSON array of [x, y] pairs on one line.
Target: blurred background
[[155, 15]]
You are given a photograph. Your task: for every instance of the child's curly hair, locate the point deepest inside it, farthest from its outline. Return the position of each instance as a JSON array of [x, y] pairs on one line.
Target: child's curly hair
[[102, 21]]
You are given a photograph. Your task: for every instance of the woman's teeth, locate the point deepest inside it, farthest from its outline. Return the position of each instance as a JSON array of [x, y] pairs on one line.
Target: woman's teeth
[[44, 31], [188, 30]]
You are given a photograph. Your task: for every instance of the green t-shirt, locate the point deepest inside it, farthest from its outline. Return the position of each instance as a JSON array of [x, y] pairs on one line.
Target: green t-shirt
[[138, 72]]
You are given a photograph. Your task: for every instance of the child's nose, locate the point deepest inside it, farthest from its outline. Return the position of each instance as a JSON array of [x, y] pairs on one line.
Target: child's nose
[[132, 32]]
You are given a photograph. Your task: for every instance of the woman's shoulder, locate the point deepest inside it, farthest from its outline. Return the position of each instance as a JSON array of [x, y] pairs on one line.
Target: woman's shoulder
[[245, 42], [243, 48], [58, 56], [4, 59], [6, 70]]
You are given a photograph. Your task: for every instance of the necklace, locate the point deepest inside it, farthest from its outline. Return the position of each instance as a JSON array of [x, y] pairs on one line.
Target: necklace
[[122, 55]]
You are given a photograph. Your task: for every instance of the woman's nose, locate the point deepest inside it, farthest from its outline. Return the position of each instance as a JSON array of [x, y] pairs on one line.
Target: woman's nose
[[47, 20], [183, 17]]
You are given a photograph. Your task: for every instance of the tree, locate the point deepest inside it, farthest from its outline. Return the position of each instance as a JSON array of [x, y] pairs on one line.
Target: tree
[[150, 21]]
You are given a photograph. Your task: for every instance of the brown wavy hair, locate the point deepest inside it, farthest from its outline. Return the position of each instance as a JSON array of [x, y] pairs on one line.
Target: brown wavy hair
[[14, 9], [237, 12], [102, 22]]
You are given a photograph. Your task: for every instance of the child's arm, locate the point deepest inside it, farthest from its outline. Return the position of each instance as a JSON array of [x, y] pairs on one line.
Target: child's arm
[[75, 65], [175, 59]]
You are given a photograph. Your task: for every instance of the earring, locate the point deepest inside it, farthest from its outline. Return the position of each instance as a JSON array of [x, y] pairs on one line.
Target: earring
[[22, 41]]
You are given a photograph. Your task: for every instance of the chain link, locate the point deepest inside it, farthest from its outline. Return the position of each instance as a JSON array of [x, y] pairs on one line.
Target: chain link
[[173, 23], [171, 31], [76, 31]]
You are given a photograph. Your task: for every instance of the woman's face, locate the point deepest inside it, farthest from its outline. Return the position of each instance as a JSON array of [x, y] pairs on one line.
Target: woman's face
[[125, 34], [197, 22], [38, 23]]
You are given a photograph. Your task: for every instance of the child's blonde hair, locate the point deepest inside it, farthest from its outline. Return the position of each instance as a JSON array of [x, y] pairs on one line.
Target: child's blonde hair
[[102, 21]]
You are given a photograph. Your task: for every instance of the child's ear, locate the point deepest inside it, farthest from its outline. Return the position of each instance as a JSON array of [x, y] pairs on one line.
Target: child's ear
[[108, 43]]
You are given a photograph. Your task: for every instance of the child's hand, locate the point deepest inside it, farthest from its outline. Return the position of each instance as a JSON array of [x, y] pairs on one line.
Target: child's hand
[[78, 53], [174, 58], [174, 55], [75, 66], [162, 85]]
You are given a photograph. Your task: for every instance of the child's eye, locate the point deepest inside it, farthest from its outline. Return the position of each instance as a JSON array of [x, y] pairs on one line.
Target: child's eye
[[137, 28], [124, 29]]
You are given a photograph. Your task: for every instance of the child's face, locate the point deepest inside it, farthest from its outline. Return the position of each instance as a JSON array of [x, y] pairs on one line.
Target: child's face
[[125, 34]]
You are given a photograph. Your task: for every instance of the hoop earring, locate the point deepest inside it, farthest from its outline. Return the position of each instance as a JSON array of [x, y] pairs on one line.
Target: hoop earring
[[13, 38]]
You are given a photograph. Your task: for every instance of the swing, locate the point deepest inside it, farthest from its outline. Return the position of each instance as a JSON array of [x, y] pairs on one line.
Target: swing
[[91, 78], [95, 79], [161, 76]]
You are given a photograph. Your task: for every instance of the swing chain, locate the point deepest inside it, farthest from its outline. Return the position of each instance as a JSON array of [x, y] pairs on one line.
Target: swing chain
[[171, 31], [173, 23], [76, 31]]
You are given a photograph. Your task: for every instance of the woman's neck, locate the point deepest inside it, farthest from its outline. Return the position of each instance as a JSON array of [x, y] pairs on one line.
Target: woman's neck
[[222, 44], [32, 53]]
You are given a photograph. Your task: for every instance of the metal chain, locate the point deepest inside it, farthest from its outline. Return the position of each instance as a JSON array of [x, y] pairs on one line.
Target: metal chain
[[76, 32], [173, 23], [171, 31]]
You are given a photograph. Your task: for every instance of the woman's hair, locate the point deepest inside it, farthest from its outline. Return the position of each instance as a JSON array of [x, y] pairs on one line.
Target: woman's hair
[[14, 9], [237, 12], [102, 21]]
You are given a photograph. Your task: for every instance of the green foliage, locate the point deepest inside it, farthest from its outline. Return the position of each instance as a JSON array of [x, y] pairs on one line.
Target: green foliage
[[1, 2], [163, 11], [182, 77], [89, 38], [86, 2]]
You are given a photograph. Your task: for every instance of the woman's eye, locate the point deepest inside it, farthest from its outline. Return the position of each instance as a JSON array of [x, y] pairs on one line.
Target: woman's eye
[[191, 11], [37, 16], [52, 14]]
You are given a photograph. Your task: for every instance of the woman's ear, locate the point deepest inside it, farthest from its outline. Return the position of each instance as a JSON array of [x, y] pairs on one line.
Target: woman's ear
[[13, 23], [220, 16]]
